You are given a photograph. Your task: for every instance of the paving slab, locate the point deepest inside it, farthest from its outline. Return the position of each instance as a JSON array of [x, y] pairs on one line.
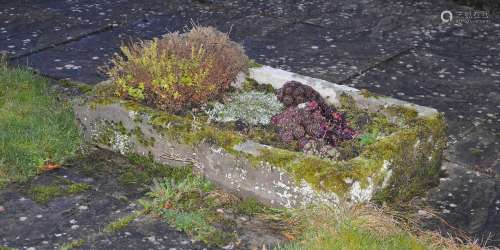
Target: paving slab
[[468, 201], [396, 48], [81, 60], [332, 42], [28, 26], [83, 216], [458, 74]]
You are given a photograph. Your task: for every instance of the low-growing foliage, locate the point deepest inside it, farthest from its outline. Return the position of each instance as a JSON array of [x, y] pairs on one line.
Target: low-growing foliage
[[254, 108], [188, 204], [178, 71], [44, 193], [120, 223], [72, 244], [361, 227]]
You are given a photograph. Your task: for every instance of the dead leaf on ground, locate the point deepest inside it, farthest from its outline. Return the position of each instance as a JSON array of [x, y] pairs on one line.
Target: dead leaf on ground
[[49, 166], [167, 205], [288, 236]]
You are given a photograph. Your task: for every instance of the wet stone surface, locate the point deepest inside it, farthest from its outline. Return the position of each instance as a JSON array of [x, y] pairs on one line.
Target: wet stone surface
[[83, 216], [83, 203], [474, 209], [394, 48]]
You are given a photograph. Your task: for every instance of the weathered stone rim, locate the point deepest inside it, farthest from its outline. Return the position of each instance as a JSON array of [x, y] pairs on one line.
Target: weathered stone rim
[[300, 186]]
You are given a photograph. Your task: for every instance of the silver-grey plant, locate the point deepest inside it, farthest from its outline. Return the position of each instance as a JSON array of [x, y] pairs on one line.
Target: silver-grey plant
[[251, 107]]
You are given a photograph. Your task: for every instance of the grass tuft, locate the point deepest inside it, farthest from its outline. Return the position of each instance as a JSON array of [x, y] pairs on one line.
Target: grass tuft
[[190, 205], [72, 244], [361, 227], [35, 126], [42, 194], [120, 223]]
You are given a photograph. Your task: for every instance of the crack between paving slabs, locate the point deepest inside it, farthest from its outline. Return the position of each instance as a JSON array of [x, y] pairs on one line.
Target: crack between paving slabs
[[55, 45], [392, 58]]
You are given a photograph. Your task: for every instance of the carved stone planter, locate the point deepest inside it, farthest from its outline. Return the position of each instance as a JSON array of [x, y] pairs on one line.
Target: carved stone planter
[[395, 167]]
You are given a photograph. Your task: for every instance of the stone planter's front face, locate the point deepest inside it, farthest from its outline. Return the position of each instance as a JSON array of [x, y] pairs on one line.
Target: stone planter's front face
[[395, 167]]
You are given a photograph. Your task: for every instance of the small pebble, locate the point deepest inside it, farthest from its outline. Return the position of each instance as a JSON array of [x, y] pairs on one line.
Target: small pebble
[[83, 207], [2, 209], [23, 218]]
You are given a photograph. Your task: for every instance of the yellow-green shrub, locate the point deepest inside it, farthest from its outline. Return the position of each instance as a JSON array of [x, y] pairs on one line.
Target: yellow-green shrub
[[178, 71]]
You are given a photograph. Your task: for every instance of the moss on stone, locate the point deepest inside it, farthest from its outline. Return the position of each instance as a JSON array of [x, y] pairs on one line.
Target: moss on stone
[[43, 194], [141, 138], [249, 206], [368, 94], [120, 223], [187, 129], [72, 244], [225, 139], [104, 89], [82, 87], [411, 147], [76, 188], [413, 152], [414, 155], [102, 101], [143, 170], [113, 135], [253, 64], [251, 85]]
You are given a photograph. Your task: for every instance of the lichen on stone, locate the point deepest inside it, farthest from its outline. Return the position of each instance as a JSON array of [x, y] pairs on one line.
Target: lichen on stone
[[113, 135], [401, 162], [400, 157], [254, 108]]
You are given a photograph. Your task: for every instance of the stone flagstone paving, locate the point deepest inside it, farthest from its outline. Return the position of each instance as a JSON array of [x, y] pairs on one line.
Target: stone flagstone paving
[[395, 48]]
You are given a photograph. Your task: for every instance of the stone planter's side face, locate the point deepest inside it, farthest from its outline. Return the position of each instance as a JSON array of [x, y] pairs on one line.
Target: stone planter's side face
[[396, 167], [134, 129], [411, 157]]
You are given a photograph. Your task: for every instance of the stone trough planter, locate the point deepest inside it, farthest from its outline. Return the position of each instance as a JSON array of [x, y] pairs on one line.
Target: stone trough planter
[[395, 167]]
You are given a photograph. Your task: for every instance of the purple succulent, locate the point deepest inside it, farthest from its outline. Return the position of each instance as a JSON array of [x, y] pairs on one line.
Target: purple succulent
[[314, 129]]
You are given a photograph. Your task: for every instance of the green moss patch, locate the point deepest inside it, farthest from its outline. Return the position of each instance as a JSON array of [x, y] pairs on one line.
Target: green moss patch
[[138, 171], [82, 87], [72, 244], [400, 144], [120, 223], [190, 204], [43, 194]]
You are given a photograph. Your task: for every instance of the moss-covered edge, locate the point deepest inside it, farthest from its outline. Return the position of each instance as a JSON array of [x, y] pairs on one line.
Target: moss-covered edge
[[411, 155]]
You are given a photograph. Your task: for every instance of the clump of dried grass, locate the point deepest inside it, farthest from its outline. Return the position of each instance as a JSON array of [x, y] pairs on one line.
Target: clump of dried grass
[[179, 71], [366, 226]]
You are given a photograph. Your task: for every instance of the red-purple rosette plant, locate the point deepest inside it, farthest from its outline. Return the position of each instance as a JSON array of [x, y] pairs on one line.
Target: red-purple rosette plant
[[316, 126]]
